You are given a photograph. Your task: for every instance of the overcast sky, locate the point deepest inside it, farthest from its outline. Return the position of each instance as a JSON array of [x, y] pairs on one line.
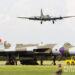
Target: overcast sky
[[16, 30]]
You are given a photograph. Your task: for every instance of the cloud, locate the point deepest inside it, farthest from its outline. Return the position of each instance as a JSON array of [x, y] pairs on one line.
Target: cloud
[[4, 18], [70, 23], [18, 30], [70, 7]]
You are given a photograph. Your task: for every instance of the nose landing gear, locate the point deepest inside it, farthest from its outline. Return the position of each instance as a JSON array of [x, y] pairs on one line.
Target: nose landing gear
[[11, 60]]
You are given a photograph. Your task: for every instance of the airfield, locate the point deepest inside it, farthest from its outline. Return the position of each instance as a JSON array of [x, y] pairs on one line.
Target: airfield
[[46, 69], [47, 62]]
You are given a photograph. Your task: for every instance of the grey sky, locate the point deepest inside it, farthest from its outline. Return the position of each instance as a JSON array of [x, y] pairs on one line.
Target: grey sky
[[24, 31]]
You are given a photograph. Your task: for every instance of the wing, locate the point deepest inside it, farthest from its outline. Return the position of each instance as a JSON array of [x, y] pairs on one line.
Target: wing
[[23, 17], [30, 18], [59, 18]]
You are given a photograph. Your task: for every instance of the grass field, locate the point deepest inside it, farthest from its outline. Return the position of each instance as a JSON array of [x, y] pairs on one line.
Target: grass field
[[33, 70]]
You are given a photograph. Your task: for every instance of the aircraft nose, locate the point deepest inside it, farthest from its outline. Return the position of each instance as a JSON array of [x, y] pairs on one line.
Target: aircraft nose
[[58, 50]]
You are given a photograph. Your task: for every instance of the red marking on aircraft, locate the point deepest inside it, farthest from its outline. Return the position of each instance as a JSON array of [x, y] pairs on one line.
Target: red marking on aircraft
[[0, 40], [61, 50]]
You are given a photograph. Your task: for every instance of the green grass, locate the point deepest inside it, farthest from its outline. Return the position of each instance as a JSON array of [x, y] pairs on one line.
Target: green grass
[[50, 62], [32, 70], [35, 70]]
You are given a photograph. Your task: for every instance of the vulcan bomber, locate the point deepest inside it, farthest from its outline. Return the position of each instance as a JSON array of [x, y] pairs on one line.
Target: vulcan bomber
[[14, 53], [63, 50]]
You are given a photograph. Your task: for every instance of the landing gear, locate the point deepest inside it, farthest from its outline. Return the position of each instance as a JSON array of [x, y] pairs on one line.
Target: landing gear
[[53, 21], [41, 62], [41, 22], [11, 60], [54, 59]]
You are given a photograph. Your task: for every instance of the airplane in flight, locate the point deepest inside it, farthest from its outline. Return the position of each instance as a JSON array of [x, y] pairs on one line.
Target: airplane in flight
[[43, 17]]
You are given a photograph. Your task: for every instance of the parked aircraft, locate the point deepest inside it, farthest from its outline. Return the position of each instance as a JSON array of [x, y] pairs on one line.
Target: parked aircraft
[[15, 52], [43, 17]]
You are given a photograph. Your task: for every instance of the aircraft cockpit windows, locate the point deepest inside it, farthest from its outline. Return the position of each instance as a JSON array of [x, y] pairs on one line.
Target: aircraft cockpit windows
[[56, 49], [48, 16]]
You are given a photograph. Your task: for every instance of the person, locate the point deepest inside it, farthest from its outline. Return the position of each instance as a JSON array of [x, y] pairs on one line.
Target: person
[[59, 70]]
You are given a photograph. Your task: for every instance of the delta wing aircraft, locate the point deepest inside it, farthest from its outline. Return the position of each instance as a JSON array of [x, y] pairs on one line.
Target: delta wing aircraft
[[45, 18], [19, 51]]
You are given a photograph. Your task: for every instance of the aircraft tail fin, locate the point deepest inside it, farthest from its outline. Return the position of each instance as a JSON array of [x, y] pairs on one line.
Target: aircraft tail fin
[[42, 13], [4, 44]]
